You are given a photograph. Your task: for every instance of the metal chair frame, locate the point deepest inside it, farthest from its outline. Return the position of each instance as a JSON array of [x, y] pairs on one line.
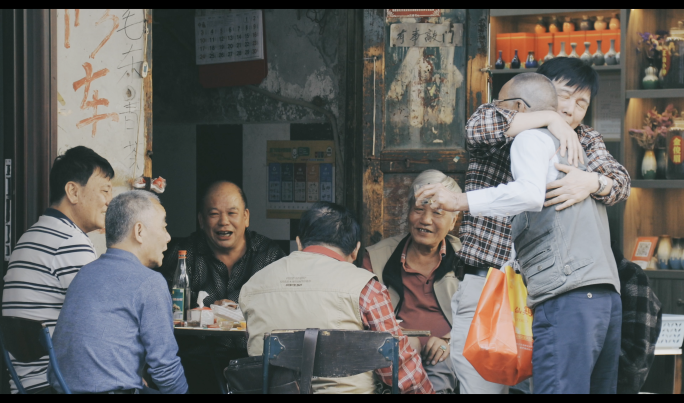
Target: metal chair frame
[[389, 350]]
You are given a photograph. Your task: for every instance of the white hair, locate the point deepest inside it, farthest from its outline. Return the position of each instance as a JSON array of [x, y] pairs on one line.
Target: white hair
[[431, 176], [124, 211]]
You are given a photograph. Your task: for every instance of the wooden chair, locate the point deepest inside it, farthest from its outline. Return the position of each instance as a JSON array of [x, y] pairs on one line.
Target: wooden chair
[[27, 340], [335, 353]]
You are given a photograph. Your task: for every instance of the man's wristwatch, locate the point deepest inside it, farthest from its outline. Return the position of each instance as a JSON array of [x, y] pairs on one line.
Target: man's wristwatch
[[603, 182]]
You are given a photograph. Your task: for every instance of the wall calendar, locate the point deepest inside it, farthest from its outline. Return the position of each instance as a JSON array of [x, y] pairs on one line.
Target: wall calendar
[[227, 38]]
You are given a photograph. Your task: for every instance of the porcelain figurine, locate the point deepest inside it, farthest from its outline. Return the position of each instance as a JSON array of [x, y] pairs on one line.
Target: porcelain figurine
[[515, 63], [650, 80], [585, 24], [568, 25], [675, 260], [549, 55], [611, 55], [586, 56], [531, 62], [598, 57], [600, 24], [540, 28], [614, 22], [562, 51], [649, 166], [574, 51], [664, 250], [554, 25], [500, 64]]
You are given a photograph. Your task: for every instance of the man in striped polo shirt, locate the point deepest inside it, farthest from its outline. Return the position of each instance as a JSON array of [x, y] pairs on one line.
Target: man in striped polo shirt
[[51, 252]]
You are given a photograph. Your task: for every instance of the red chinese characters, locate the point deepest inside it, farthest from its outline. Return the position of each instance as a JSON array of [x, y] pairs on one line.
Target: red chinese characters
[[96, 101]]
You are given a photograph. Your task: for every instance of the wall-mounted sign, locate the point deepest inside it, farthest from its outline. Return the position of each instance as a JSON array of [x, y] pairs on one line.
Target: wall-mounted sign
[[226, 38], [299, 173], [413, 12], [423, 35]]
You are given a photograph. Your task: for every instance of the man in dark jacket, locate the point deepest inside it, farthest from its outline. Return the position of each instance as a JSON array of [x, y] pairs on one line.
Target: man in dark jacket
[[641, 322]]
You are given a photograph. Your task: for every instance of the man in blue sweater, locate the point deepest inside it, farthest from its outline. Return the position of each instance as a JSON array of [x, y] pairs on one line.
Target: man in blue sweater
[[117, 313]]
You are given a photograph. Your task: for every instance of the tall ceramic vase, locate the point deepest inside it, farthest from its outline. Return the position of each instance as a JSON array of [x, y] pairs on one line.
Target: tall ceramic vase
[[515, 63], [574, 54], [586, 56], [664, 250], [675, 260], [599, 58], [649, 166], [562, 51], [549, 55], [650, 80], [500, 64], [611, 56]]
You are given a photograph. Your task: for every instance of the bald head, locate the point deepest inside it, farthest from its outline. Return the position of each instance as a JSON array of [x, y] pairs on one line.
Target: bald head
[[221, 189], [537, 90]]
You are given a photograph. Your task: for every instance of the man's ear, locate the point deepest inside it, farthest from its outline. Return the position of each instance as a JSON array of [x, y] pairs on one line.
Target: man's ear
[[299, 244], [246, 218], [520, 106], [138, 230], [200, 221], [355, 253], [453, 222], [72, 190]]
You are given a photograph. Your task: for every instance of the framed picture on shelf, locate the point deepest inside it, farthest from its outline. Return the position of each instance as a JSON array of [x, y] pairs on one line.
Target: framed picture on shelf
[[644, 250]]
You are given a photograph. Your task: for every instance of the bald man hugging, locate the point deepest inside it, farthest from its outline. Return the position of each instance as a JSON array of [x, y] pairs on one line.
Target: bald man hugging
[[564, 255]]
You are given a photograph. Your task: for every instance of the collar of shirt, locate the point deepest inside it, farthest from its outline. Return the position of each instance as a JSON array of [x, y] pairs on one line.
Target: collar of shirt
[[407, 268], [123, 254], [51, 212], [322, 250]]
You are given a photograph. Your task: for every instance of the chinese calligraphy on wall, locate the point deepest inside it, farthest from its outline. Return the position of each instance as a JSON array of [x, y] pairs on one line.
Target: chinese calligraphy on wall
[[225, 38]]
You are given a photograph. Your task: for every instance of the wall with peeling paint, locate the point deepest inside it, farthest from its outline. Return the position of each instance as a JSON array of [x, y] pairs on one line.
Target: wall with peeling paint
[[306, 61]]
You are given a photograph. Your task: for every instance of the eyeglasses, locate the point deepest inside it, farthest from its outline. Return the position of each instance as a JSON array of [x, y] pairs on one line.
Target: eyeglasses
[[497, 101]]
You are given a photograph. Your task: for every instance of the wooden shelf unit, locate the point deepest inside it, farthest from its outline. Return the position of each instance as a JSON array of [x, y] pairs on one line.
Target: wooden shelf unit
[[653, 208], [522, 70]]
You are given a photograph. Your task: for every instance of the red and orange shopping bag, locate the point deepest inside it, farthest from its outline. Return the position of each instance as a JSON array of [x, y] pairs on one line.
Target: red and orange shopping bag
[[499, 343]]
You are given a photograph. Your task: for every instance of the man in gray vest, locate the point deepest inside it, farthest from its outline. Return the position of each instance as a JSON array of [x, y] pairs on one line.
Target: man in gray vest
[[565, 256]]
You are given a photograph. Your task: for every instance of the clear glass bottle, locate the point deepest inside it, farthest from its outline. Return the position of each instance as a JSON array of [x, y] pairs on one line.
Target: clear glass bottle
[[180, 293]]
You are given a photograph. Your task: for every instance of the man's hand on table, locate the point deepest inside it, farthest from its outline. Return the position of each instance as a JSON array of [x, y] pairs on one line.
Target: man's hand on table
[[576, 186], [435, 350], [440, 197]]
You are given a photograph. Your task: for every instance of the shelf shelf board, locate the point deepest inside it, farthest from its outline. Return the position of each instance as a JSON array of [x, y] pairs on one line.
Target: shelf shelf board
[[664, 93], [506, 12], [658, 183], [521, 70]]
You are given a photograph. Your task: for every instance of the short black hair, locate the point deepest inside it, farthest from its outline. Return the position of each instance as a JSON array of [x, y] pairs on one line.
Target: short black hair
[[76, 165], [328, 223], [212, 186], [574, 71]]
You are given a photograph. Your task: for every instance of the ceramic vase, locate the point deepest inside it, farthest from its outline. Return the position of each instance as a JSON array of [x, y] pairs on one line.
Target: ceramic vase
[[540, 28], [652, 264], [549, 55], [600, 24], [568, 25], [649, 165], [614, 22], [562, 51], [554, 25], [610, 56], [664, 250], [598, 57], [586, 56], [617, 57], [531, 62], [574, 51], [675, 260], [515, 63], [585, 24], [500, 64], [650, 80], [661, 163]]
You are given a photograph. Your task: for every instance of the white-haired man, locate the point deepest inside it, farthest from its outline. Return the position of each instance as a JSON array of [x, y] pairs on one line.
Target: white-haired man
[[117, 314]]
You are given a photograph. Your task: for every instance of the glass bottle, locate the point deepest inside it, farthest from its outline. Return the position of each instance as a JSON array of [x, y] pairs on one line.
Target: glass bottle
[[180, 293], [515, 63], [500, 64]]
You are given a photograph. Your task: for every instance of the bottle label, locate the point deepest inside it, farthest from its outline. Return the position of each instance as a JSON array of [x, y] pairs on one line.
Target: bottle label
[[178, 299]]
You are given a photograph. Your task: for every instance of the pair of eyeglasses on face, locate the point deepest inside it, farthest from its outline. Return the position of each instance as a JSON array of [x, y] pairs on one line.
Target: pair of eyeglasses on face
[[498, 101]]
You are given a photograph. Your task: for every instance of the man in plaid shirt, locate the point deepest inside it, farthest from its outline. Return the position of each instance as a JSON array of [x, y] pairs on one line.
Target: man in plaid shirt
[[490, 132]]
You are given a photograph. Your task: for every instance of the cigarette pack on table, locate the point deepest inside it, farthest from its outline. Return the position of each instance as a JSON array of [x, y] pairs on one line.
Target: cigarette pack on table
[[228, 313]]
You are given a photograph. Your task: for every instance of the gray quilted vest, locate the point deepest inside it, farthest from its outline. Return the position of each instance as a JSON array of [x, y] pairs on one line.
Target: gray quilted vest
[[559, 251]]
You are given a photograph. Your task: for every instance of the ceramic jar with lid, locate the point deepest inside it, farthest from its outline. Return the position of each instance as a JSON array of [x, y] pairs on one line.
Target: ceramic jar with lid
[[600, 24]]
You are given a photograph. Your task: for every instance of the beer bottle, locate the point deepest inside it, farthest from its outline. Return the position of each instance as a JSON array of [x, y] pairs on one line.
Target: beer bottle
[[180, 294]]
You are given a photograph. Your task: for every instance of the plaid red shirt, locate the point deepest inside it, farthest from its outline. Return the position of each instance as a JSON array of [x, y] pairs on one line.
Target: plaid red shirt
[[377, 314], [487, 240]]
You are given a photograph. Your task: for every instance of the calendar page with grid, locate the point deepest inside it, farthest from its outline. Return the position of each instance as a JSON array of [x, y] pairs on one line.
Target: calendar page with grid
[[228, 38]]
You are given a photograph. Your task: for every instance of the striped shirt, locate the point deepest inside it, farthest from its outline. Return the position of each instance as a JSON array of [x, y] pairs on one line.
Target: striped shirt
[[47, 257]]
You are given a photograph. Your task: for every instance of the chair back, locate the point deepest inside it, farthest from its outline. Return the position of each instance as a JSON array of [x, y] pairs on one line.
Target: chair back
[[338, 353], [27, 340]]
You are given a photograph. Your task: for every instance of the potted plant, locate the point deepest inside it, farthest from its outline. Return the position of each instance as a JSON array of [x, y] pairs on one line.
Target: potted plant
[[656, 126]]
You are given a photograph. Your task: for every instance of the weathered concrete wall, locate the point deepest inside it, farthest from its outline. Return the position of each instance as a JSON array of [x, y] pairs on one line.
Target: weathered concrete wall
[[306, 60]]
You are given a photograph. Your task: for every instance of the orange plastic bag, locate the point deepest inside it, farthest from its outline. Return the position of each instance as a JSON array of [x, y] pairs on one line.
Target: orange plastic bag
[[499, 343]]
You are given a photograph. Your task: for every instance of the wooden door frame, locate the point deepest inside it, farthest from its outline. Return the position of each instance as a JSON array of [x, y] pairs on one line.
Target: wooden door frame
[[377, 160]]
